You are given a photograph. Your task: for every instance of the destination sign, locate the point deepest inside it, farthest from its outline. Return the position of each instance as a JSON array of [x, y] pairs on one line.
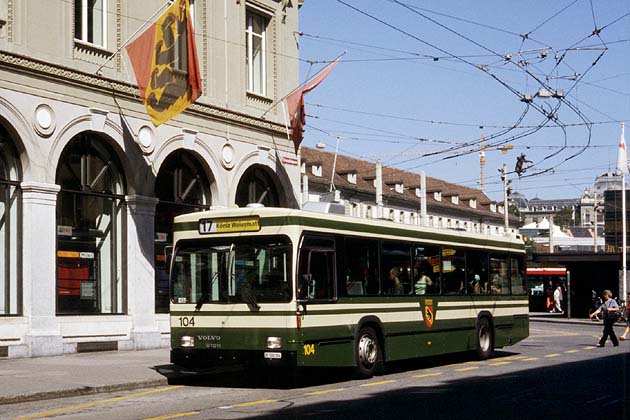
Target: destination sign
[[242, 224]]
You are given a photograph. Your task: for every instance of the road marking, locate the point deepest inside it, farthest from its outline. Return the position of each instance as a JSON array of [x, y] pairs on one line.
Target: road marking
[[379, 383], [514, 358], [251, 403], [499, 363], [552, 355], [589, 347], [553, 332], [427, 375], [530, 359], [95, 403], [467, 368], [325, 391], [572, 351], [173, 416]]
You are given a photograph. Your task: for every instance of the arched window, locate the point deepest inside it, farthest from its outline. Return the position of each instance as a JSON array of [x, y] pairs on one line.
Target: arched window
[[182, 187], [90, 228], [257, 186], [10, 200]]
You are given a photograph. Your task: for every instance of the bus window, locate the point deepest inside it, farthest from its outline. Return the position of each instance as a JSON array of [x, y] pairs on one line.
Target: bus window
[[453, 274], [361, 258], [517, 277], [477, 272], [316, 269], [396, 268], [499, 275], [426, 269]]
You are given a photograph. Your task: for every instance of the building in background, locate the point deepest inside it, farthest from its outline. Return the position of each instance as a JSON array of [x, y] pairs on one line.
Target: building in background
[[354, 184], [89, 186]]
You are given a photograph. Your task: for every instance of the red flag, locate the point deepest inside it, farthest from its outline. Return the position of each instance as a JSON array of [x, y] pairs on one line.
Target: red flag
[[295, 103], [164, 60]]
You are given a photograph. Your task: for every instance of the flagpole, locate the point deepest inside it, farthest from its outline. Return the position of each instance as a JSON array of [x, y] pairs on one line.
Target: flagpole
[[124, 44], [623, 229], [300, 85]]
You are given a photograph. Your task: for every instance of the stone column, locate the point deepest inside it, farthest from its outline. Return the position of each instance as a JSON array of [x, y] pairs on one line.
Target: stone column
[[39, 235], [140, 271]]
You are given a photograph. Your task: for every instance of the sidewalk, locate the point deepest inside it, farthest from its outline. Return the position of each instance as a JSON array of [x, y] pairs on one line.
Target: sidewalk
[[89, 373], [79, 374]]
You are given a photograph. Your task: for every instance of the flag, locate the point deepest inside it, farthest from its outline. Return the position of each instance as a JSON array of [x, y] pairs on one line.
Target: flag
[[295, 103], [622, 154], [164, 60]]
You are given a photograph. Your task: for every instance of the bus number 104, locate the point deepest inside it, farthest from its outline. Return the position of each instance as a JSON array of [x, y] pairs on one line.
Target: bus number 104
[[185, 321]]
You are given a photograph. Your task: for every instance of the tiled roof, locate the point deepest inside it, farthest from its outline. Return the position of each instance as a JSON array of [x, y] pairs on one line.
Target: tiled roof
[[366, 173]]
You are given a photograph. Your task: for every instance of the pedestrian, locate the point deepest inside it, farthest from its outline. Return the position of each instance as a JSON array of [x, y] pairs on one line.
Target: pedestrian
[[627, 330], [610, 312], [557, 300]]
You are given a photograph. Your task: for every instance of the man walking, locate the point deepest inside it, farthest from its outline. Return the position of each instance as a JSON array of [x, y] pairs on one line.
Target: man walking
[[557, 300]]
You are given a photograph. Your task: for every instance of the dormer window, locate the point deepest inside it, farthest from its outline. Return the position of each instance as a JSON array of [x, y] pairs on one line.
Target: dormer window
[[317, 169], [399, 188], [437, 196], [472, 203], [455, 199], [418, 192], [303, 168], [352, 178], [493, 207]]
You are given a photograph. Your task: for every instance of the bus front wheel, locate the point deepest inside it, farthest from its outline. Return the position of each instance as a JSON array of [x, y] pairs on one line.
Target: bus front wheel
[[368, 353], [485, 339]]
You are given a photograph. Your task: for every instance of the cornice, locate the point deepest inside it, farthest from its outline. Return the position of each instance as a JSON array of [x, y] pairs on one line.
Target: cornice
[[128, 91]]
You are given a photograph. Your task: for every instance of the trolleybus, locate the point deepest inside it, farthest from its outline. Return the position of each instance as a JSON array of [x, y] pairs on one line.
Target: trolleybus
[[285, 287]]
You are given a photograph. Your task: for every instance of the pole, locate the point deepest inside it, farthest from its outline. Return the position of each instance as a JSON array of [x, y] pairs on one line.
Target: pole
[[623, 229], [423, 198], [505, 198], [334, 167], [551, 233], [595, 224], [568, 294]]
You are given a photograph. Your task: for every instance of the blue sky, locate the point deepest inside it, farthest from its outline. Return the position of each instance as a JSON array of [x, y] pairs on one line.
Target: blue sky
[[429, 78]]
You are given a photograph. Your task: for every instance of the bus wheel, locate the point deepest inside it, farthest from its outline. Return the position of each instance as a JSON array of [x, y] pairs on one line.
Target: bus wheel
[[485, 339], [368, 353]]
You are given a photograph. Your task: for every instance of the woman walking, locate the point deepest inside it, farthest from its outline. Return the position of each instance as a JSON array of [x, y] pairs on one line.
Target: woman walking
[[610, 312]]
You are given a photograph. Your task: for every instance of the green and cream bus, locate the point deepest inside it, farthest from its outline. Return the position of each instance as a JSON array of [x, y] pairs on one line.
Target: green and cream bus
[[284, 287]]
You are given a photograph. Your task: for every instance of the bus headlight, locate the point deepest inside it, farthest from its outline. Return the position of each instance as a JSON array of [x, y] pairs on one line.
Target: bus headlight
[[274, 342], [187, 341]]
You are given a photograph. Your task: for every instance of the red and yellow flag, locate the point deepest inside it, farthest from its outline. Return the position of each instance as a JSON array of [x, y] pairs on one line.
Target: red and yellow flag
[[164, 60]]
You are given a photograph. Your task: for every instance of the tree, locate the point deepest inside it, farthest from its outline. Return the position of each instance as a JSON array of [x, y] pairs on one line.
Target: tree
[[564, 218]]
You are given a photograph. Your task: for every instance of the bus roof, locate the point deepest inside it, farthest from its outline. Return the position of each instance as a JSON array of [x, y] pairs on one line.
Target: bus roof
[[239, 222]]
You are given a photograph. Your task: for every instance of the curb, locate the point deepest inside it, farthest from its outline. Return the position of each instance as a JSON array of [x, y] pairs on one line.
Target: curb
[[86, 390]]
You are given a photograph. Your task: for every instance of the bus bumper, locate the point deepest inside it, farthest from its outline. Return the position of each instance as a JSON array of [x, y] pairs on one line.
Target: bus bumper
[[201, 358]]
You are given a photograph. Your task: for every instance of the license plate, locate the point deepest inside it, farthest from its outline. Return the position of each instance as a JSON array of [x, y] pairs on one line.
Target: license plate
[[273, 355]]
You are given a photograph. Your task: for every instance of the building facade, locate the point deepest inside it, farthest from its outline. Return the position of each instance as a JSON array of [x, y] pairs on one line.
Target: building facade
[[90, 186]]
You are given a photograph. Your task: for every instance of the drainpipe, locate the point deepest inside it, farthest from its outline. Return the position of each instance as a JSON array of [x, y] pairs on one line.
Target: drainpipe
[[379, 189]]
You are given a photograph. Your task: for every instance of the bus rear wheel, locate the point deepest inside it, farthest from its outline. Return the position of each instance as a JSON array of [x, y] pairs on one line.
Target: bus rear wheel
[[368, 353], [485, 339]]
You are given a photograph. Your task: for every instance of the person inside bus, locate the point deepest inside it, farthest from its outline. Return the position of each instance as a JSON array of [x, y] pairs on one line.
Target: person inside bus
[[474, 286], [454, 281], [496, 287], [394, 278], [423, 283]]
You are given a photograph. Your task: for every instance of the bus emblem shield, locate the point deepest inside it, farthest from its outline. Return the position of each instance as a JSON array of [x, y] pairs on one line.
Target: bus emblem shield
[[429, 315]]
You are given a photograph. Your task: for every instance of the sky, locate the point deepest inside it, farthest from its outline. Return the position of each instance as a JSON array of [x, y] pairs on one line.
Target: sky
[[421, 82]]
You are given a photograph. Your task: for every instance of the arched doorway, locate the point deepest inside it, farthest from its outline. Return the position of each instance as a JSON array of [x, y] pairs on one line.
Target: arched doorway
[[257, 186], [90, 228], [10, 202], [182, 187]]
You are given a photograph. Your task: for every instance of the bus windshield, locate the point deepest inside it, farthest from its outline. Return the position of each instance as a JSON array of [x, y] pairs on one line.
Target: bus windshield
[[250, 270]]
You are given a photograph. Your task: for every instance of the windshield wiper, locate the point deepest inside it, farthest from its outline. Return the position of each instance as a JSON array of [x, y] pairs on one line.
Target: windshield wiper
[[206, 295]]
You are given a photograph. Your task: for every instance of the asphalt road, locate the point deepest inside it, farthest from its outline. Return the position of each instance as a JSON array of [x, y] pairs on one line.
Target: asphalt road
[[556, 373]]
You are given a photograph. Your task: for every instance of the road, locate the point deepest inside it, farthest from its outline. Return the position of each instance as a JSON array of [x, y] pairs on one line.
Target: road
[[557, 373]]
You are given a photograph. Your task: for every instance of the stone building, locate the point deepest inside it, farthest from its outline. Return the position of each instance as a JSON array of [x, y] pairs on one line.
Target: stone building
[[88, 185]]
